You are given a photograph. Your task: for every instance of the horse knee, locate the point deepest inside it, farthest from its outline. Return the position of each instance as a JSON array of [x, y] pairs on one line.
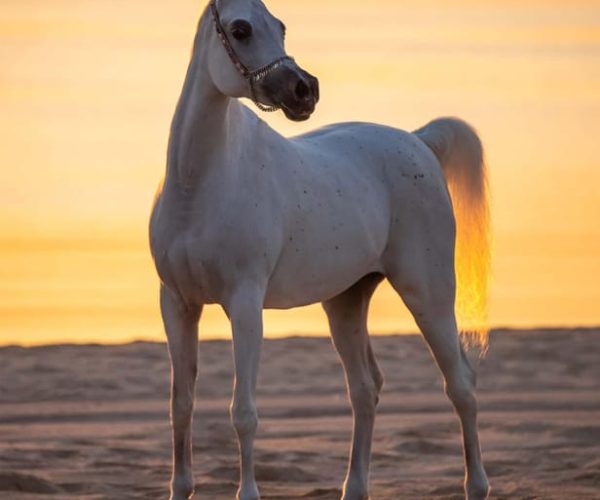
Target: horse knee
[[364, 396], [244, 419], [182, 406], [182, 391]]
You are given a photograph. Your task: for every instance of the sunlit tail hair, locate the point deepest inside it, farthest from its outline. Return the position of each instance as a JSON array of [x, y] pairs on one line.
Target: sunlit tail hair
[[460, 153]]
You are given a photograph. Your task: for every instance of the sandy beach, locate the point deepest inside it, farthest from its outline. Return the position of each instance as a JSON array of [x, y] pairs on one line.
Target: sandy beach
[[91, 421]]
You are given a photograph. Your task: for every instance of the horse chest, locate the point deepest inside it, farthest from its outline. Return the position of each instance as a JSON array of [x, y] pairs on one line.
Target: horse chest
[[202, 249], [176, 240]]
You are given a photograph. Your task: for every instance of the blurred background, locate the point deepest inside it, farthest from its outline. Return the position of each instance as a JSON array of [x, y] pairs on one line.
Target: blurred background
[[88, 88]]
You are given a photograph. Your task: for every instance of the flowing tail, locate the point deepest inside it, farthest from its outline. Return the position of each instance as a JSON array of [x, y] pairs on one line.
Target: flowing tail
[[460, 153]]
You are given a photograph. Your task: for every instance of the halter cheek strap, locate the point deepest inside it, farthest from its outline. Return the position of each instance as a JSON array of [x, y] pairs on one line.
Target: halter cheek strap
[[253, 76]]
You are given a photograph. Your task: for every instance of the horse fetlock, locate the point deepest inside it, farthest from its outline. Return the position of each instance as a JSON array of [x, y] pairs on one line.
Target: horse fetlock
[[355, 489], [248, 492]]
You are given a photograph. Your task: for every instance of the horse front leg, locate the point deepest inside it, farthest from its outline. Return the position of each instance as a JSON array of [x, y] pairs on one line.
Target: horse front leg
[[245, 313], [181, 325]]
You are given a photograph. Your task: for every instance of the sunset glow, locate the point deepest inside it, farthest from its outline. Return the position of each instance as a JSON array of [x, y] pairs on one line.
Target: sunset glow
[[87, 91]]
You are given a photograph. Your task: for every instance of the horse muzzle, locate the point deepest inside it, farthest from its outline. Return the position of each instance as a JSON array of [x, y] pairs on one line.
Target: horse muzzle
[[292, 89], [303, 99]]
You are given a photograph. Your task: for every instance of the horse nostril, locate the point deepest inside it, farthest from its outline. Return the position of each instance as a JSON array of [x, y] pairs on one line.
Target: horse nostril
[[302, 90]]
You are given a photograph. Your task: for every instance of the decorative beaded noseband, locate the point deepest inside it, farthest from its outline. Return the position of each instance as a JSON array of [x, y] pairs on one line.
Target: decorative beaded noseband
[[253, 77]]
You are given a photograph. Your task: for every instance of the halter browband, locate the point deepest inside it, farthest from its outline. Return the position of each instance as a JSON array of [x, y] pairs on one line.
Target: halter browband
[[251, 76]]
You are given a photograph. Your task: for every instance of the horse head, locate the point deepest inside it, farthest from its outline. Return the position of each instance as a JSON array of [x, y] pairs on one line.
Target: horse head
[[247, 58]]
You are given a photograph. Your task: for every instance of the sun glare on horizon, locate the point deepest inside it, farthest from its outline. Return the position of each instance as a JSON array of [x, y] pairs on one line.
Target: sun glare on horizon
[[87, 91]]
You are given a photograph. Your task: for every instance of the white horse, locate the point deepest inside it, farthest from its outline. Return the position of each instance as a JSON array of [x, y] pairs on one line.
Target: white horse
[[250, 220]]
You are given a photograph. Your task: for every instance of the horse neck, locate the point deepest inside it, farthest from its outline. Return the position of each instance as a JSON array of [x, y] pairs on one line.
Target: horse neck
[[205, 121]]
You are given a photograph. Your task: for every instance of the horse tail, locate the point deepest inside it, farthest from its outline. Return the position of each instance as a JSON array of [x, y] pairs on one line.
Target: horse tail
[[460, 153]]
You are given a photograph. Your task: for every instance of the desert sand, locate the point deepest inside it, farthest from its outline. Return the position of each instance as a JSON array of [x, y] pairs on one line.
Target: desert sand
[[92, 421]]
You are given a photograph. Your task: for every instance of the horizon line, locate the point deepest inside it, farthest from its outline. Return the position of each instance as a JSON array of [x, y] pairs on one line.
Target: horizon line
[[549, 329]]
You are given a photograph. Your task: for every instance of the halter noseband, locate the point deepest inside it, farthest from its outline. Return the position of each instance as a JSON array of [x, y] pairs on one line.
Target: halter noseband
[[252, 76]]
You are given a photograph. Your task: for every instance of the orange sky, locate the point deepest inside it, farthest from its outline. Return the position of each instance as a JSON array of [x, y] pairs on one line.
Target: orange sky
[[87, 90]]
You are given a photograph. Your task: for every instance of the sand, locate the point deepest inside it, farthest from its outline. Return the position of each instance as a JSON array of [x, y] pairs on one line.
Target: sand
[[92, 421]]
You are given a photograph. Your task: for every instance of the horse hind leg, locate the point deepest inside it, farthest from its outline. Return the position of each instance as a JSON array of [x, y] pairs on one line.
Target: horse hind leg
[[347, 315], [422, 272]]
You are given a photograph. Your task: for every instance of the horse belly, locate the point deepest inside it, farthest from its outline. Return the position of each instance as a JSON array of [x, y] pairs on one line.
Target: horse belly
[[325, 255]]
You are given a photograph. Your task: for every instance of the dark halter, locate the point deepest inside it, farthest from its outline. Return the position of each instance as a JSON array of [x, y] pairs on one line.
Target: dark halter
[[252, 76]]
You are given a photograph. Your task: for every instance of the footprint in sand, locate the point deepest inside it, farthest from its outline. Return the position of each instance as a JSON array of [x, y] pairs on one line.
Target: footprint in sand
[[266, 473], [26, 483]]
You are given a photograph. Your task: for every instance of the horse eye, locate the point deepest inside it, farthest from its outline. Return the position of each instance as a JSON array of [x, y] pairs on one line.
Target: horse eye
[[241, 30]]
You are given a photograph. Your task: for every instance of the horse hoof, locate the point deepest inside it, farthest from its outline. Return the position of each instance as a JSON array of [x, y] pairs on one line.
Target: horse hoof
[[181, 496], [360, 496], [357, 496], [477, 490], [354, 490], [182, 489]]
